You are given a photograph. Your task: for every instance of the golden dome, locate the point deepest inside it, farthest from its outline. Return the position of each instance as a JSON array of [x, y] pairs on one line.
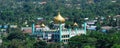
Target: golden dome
[[42, 25], [75, 24], [59, 18]]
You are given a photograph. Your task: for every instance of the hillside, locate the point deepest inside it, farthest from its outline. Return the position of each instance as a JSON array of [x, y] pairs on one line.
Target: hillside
[[18, 11]]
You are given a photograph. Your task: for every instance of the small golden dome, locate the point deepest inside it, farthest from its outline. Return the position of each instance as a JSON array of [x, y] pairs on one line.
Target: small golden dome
[[75, 24], [59, 18], [42, 25]]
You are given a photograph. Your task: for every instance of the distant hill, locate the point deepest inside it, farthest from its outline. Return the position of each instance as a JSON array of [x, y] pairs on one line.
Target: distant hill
[[17, 11]]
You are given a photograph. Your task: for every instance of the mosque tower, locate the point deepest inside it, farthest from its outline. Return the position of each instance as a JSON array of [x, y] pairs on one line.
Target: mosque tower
[[59, 20]]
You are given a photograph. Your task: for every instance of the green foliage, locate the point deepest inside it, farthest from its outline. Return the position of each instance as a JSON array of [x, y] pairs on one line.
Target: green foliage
[[16, 39], [87, 46], [116, 46], [53, 45], [16, 44], [16, 35], [96, 40], [40, 44], [17, 11]]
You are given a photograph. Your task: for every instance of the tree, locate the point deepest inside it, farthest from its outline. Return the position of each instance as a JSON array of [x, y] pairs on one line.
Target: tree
[[16, 35], [116, 46], [96, 40], [15, 43], [40, 44]]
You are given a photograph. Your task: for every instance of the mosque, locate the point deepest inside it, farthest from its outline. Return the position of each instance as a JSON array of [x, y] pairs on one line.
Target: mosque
[[59, 33]]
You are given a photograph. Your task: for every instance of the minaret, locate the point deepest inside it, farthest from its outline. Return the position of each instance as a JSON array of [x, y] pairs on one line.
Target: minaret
[[85, 24], [42, 25], [75, 25], [60, 23], [33, 28]]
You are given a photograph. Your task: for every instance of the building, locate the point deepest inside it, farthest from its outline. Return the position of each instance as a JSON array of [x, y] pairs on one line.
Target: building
[[59, 33], [117, 20], [106, 28], [91, 25], [27, 30]]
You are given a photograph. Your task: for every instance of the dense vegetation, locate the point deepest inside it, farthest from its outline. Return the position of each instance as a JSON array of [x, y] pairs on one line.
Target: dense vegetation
[[96, 39], [16, 39], [93, 39], [19, 11]]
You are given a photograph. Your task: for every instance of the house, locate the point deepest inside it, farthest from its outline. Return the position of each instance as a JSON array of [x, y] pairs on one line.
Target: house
[[13, 26], [105, 28], [26, 29]]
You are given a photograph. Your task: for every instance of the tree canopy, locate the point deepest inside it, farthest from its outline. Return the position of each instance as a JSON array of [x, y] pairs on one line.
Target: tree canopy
[[96, 40], [18, 11]]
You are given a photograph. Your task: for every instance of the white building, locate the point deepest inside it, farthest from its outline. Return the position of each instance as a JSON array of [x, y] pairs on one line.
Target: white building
[[60, 33]]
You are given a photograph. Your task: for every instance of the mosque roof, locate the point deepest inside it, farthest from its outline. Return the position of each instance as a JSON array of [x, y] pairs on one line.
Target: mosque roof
[[59, 18]]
